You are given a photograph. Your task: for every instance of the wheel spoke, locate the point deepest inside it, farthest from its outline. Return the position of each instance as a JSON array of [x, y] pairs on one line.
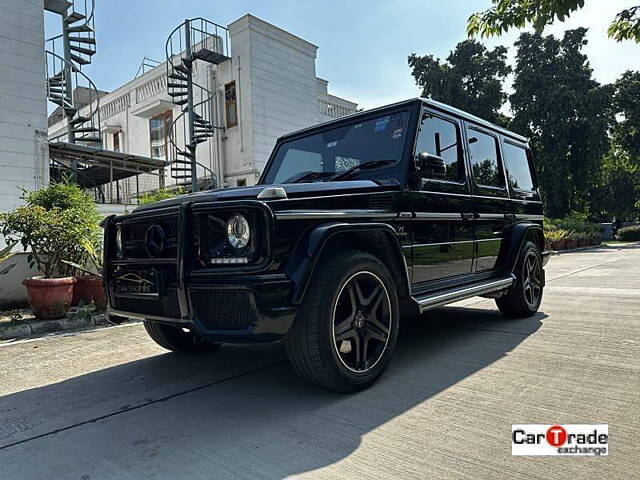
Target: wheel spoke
[[372, 333], [379, 325], [343, 326], [356, 344], [360, 296], [350, 333], [364, 342]]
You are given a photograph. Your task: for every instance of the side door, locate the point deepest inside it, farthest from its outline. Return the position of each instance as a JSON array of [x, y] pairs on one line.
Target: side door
[[442, 230], [491, 203]]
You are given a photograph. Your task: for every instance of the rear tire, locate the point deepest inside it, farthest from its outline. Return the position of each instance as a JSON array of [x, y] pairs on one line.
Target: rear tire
[[347, 327], [177, 340], [525, 295]]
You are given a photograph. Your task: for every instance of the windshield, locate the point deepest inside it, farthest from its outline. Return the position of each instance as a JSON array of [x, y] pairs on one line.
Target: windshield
[[322, 156]]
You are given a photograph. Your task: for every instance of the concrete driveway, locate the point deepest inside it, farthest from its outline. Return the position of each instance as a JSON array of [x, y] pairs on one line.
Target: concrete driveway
[[110, 404]]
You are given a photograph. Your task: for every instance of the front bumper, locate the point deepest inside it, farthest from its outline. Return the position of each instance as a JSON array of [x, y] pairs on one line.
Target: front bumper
[[229, 307]]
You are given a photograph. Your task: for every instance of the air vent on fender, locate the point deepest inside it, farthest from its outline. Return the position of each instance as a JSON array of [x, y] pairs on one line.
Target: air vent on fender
[[381, 202]]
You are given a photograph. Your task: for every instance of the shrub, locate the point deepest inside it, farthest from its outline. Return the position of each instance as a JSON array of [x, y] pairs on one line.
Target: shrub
[[629, 234], [160, 194], [577, 226], [53, 226]]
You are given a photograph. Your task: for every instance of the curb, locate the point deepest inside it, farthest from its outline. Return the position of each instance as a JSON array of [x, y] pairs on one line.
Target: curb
[[33, 326], [578, 249]]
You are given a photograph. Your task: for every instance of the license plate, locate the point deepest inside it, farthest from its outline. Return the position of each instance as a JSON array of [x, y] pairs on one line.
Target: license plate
[[144, 284]]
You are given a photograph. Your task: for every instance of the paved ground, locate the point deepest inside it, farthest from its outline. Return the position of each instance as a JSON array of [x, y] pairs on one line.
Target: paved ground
[[109, 404]]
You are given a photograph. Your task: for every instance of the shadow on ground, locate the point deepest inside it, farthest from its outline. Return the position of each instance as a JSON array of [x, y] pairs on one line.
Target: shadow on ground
[[240, 412]]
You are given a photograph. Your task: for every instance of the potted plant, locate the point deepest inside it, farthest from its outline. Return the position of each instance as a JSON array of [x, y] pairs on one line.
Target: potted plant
[[51, 227], [89, 286]]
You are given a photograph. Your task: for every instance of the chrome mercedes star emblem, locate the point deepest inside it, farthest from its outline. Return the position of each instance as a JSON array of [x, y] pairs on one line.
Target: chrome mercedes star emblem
[[154, 240]]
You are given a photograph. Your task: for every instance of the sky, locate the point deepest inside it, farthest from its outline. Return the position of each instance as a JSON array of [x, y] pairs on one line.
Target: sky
[[363, 45]]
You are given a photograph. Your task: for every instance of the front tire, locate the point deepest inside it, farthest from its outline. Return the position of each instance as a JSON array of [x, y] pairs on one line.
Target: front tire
[[525, 295], [346, 330], [177, 340]]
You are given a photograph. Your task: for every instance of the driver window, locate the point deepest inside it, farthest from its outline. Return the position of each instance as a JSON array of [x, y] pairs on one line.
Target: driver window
[[442, 138]]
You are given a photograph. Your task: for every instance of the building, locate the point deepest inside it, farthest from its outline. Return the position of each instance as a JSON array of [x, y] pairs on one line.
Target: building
[[23, 100], [252, 82], [219, 104]]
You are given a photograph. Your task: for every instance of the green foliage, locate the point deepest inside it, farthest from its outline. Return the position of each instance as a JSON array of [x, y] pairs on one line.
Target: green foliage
[[505, 14], [629, 234], [53, 225], [6, 254], [617, 191], [553, 233], [471, 78], [565, 113], [626, 103], [626, 25], [574, 226], [160, 194]]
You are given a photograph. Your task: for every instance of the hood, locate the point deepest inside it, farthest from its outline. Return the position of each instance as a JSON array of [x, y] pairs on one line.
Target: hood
[[294, 190]]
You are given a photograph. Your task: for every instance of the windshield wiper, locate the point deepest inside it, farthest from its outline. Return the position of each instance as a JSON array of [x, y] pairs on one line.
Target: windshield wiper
[[312, 176], [362, 166]]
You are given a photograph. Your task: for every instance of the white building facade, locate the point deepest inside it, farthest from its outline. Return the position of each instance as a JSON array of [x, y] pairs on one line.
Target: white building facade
[[266, 87], [23, 102]]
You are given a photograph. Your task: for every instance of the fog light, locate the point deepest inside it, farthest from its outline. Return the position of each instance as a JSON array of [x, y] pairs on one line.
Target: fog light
[[238, 232]]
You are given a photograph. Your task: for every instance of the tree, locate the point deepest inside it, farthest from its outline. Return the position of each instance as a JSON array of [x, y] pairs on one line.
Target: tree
[[504, 14], [566, 114], [470, 79], [626, 104]]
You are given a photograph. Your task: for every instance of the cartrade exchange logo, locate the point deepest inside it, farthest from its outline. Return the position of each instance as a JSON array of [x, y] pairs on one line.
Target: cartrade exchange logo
[[560, 439]]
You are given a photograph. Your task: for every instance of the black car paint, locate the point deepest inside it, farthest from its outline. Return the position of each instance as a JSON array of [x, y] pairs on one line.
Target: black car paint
[[415, 226]]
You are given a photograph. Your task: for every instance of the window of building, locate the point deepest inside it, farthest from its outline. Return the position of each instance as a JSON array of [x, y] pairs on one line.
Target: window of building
[[517, 163], [116, 141], [483, 150], [442, 138], [159, 134], [231, 104], [242, 182]]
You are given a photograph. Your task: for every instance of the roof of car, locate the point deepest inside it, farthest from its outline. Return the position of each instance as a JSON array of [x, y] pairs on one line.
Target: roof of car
[[427, 101]]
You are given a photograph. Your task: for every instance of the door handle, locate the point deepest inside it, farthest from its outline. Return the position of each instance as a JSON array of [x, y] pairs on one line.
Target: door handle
[[510, 216], [467, 215]]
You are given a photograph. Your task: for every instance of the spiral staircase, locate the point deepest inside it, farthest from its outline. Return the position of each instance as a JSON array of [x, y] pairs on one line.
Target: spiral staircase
[[67, 86], [196, 39]]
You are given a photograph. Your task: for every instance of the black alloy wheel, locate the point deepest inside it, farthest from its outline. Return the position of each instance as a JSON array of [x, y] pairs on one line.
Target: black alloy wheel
[[361, 321]]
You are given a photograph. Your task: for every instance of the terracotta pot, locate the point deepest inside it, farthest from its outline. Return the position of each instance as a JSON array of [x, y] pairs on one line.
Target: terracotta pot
[[89, 288], [50, 298], [571, 243], [558, 244], [581, 242]]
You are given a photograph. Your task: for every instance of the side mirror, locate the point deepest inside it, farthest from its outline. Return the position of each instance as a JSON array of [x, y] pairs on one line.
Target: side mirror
[[431, 166]]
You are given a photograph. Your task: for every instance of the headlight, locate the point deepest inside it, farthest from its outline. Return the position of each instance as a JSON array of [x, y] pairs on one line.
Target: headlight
[[238, 232], [119, 246]]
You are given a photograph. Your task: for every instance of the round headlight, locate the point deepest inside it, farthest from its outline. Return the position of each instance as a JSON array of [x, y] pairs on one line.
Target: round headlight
[[119, 246], [238, 232]]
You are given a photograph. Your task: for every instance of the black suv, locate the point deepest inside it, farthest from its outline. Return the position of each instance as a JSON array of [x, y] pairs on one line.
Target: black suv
[[398, 209]]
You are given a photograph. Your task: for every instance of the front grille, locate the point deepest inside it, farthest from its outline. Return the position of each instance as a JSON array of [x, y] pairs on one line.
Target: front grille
[[134, 234], [223, 309], [166, 306]]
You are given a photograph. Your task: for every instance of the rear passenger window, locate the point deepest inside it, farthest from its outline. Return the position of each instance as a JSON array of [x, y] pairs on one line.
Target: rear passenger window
[[483, 150], [517, 163], [441, 137]]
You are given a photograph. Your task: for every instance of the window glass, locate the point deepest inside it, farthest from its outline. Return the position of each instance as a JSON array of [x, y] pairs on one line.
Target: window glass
[[319, 157], [159, 134], [484, 159], [440, 137], [231, 104], [517, 163]]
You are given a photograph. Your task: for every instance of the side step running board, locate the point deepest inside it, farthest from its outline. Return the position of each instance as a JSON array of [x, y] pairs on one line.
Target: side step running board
[[440, 298]]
